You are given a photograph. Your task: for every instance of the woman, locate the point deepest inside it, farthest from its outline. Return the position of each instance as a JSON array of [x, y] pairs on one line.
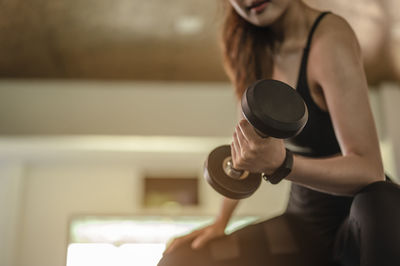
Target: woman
[[338, 208]]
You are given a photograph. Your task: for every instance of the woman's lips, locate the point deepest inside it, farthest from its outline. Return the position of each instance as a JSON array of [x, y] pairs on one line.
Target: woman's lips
[[258, 6]]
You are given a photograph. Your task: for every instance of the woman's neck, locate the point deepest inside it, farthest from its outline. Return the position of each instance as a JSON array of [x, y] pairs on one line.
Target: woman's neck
[[292, 27]]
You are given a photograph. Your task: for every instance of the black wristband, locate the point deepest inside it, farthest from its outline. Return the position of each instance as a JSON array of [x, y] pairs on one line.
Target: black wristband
[[282, 171]]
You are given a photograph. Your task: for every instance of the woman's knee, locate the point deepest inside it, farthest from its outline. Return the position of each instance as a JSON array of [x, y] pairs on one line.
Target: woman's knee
[[378, 193], [375, 219], [376, 203]]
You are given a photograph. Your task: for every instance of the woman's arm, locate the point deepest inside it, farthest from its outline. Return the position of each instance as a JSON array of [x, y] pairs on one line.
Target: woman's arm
[[335, 65], [227, 208]]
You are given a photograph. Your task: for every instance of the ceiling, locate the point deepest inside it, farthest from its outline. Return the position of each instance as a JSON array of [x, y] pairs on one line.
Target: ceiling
[[157, 40]]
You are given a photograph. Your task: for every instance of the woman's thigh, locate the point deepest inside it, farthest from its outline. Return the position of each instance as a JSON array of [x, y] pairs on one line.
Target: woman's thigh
[[371, 234], [282, 241]]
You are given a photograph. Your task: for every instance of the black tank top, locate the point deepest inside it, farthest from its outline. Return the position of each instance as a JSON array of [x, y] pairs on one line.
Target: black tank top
[[318, 137], [325, 211]]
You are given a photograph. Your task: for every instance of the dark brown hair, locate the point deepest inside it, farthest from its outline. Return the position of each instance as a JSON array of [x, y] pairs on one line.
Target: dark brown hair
[[247, 50]]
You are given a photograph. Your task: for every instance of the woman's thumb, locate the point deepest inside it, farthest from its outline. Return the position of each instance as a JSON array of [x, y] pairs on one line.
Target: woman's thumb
[[200, 241]]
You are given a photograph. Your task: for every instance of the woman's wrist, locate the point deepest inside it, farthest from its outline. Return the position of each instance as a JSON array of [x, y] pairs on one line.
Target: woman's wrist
[[282, 171], [221, 222], [277, 161]]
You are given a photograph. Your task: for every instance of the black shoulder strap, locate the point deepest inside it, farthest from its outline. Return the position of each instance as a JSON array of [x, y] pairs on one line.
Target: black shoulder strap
[[302, 86], [313, 28]]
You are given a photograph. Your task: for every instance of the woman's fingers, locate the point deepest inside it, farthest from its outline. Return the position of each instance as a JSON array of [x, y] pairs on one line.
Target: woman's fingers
[[242, 144], [240, 138], [200, 241], [248, 130], [179, 241], [199, 237], [208, 235], [173, 244], [236, 144], [233, 152], [236, 151]]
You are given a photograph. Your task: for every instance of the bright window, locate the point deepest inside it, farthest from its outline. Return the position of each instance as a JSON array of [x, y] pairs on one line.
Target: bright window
[[130, 240]]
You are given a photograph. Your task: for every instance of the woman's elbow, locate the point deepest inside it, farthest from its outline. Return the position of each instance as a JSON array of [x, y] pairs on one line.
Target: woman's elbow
[[374, 172], [370, 171]]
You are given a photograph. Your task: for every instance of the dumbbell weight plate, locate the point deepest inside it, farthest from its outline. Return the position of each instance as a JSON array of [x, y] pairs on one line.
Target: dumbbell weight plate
[[274, 109], [224, 184]]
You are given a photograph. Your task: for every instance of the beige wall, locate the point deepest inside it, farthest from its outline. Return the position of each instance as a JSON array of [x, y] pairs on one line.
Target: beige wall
[[11, 191], [116, 108], [390, 106]]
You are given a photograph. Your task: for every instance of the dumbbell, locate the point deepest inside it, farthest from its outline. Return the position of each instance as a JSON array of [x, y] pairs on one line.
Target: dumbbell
[[274, 109]]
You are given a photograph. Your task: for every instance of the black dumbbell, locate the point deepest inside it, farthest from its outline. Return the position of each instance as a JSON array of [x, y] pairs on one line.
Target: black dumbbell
[[274, 109]]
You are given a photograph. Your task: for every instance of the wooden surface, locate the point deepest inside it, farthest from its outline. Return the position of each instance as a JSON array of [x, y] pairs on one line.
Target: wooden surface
[[143, 40]]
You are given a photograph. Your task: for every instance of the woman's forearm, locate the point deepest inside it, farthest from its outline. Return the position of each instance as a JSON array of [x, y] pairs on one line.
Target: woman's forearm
[[227, 209], [341, 175]]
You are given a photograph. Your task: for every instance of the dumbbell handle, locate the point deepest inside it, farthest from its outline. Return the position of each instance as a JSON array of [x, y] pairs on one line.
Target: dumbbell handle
[[227, 165]]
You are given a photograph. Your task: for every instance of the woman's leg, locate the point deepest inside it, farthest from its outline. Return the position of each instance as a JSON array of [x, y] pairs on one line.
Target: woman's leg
[[281, 241], [371, 234]]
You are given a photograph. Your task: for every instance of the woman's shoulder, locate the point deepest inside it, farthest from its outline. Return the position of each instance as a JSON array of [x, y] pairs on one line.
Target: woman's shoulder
[[334, 33], [335, 21], [334, 49]]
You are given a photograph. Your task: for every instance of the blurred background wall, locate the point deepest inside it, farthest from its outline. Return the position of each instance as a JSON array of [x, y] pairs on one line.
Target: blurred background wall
[[95, 96]]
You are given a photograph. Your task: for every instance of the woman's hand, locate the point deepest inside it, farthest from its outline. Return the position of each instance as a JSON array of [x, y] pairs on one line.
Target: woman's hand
[[198, 238], [254, 153]]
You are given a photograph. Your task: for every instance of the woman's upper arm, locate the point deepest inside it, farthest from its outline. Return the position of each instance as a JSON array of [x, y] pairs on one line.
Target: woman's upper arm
[[338, 69]]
